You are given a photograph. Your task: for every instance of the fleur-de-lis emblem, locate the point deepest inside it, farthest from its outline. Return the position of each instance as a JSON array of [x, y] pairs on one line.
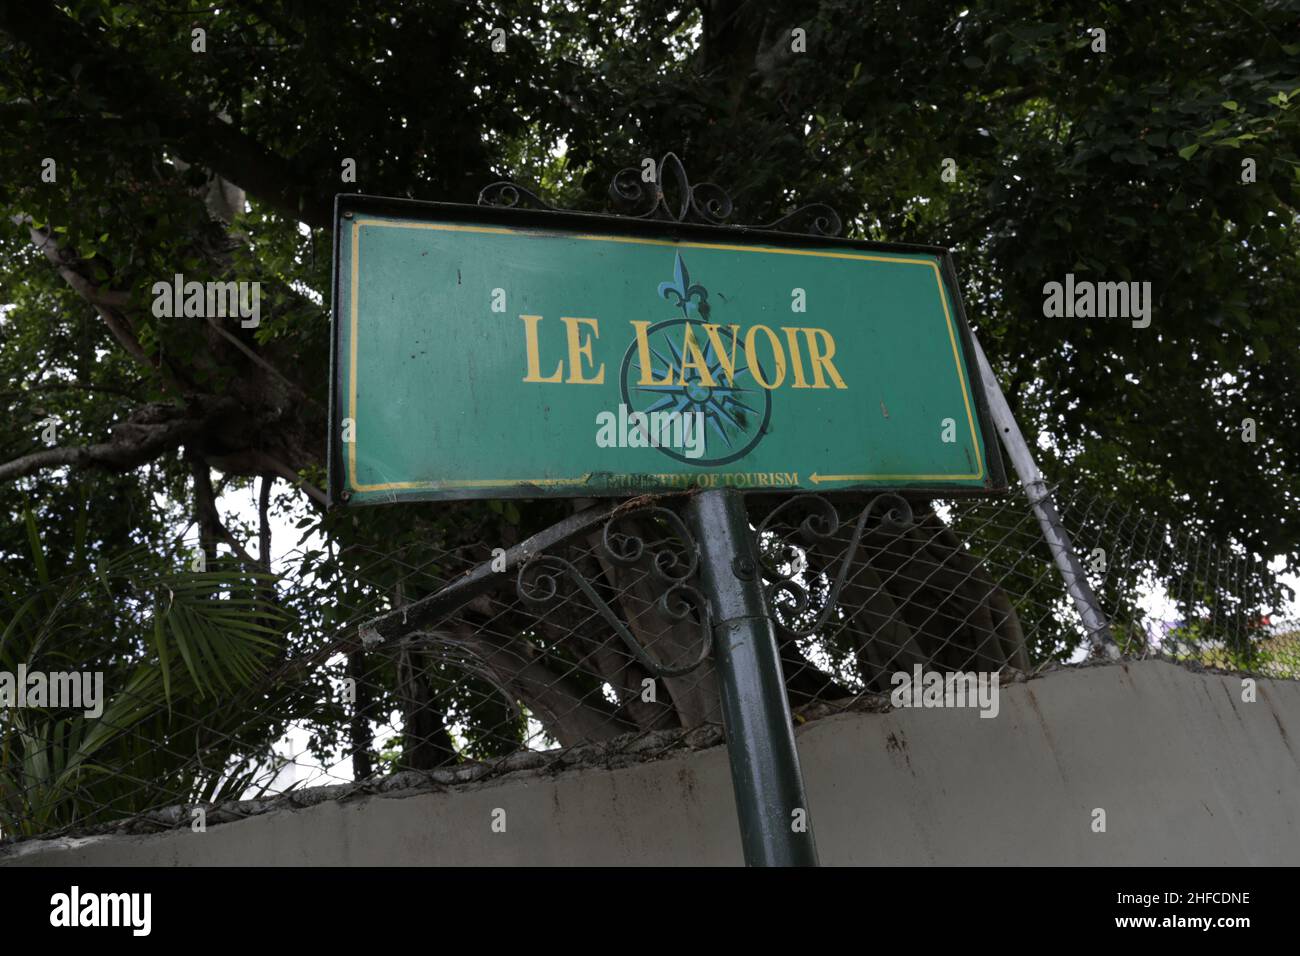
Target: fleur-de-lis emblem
[[685, 293]]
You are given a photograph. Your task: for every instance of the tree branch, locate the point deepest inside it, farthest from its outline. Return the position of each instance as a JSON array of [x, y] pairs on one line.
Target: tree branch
[[135, 444], [264, 524], [190, 127], [68, 386], [263, 363], [291, 476], [106, 302], [569, 715], [211, 527]]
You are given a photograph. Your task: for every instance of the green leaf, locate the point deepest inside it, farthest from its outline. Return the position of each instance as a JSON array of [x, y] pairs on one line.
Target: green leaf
[[180, 633], [1187, 152], [79, 533], [17, 618], [160, 642], [38, 553]]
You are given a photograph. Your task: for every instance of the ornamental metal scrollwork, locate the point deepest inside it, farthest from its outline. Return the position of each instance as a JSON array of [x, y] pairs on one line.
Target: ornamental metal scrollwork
[[825, 220], [507, 195], [538, 582], [788, 596], [705, 202], [681, 202]]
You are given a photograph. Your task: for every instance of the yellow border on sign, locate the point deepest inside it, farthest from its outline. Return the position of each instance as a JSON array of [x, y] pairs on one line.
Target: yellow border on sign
[[555, 482]]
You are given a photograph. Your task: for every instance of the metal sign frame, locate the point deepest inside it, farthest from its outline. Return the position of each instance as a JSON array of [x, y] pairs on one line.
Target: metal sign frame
[[349, 206]]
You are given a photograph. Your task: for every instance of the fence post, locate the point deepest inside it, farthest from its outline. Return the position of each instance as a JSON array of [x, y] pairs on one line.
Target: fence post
[[1054, 533], [765, 770]]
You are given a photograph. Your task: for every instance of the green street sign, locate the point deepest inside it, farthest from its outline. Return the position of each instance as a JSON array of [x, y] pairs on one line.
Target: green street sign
[[489, 353]]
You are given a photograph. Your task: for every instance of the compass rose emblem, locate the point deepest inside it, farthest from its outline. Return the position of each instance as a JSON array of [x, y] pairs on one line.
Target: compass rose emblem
[[736, 409]]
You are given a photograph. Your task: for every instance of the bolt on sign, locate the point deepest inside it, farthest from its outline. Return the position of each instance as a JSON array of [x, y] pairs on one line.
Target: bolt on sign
[[481, 352]]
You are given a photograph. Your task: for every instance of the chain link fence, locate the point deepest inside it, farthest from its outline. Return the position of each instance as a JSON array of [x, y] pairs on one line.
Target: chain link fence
[[228, 691]]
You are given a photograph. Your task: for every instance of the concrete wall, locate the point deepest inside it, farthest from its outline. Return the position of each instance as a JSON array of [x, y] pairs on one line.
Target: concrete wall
[[1187, 773]]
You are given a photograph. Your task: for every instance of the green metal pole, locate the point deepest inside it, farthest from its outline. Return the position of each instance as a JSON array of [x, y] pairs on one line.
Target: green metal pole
[[775, 827]]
